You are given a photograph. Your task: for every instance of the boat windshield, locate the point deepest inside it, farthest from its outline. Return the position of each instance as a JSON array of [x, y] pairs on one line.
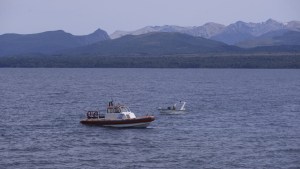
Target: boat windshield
[[125, 109], [117, 109]]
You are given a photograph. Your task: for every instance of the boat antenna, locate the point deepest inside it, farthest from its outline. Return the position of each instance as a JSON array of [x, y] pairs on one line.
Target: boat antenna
[[112, 101]]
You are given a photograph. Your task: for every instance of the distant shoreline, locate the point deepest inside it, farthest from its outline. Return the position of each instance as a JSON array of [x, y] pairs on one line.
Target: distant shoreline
[[221, 60]]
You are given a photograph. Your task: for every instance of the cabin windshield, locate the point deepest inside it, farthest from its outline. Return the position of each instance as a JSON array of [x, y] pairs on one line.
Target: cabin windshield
[[125, 109], [117, 109]]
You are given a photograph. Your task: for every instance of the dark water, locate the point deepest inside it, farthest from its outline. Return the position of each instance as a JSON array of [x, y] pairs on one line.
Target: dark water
[[237, 118]]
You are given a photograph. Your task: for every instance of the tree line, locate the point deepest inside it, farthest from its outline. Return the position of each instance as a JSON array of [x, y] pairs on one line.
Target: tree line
[[173, 61]]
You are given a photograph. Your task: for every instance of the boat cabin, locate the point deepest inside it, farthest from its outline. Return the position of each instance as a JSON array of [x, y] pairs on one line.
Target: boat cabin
[[118, 111]]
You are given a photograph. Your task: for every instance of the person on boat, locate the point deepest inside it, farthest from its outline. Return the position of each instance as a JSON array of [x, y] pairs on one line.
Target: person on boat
[[174, 107], [111, 103]]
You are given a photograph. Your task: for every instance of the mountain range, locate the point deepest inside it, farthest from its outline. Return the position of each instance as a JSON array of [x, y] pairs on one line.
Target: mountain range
[[153, 44], [231, 34], [160, 40], [46, 42], [273, 38], [205, 31]]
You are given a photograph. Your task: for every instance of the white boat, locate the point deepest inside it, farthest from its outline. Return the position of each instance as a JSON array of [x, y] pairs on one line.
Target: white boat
[[174, 109], [117, 116]]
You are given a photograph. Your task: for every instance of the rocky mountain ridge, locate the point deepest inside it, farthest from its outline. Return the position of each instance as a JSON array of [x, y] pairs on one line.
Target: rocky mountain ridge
[[159, 40], [231, 34]]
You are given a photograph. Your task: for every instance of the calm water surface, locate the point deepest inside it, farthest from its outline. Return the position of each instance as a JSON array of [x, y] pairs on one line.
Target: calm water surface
[[237, 118]]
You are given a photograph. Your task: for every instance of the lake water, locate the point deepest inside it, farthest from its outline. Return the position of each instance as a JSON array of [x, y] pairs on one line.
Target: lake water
[[237, 118]]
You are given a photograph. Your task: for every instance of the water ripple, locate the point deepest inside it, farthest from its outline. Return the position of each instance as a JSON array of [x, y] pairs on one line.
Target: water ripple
[[235, 119]]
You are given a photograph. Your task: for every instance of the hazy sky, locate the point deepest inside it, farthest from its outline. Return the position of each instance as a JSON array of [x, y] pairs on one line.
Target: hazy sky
[[81, 17]]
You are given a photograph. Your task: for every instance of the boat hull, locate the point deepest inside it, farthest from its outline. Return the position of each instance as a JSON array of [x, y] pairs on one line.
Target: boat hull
[[141, 122], [167, 111]]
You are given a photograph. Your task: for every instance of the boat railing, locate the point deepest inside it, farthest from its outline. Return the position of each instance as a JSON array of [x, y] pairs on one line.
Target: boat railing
[[94, 115]]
